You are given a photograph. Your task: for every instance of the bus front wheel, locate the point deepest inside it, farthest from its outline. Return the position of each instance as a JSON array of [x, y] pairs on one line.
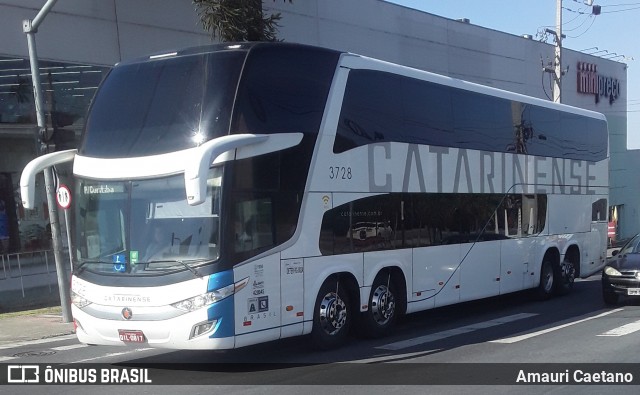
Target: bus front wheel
[[381, 316], [332, 316]]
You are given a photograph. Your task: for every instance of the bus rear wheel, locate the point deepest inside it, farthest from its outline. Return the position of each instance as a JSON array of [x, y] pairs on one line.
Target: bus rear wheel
[[566, 275], [332, 316], [547, 279], [381, 316]]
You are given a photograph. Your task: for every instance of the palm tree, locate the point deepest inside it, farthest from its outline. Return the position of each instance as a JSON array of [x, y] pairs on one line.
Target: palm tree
[[237, 20]]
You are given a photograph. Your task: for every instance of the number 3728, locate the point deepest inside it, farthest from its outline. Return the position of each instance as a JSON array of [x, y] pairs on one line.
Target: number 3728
[[339, 173]]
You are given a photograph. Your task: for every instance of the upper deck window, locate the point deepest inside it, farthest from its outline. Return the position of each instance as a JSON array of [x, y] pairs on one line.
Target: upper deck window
[[386, 107]]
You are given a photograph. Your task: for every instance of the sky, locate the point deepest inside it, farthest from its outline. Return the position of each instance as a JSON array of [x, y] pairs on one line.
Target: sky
[[615, 32]]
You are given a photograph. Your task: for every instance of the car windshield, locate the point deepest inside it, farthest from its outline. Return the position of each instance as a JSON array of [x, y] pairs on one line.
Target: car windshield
[[145, 227], [632, 246]]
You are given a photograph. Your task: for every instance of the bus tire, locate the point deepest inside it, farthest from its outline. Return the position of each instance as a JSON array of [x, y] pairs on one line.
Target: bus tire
[[565, 275], [547, 279], [382, 313], [332, 316]]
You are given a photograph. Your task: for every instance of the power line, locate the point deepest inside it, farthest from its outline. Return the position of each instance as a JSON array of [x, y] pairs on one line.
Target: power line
[[628, 9], [576, 11], [619, 5], [580, 25], [592, 22]]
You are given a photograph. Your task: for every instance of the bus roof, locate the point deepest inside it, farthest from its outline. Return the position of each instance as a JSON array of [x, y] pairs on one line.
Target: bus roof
[[356, 61]]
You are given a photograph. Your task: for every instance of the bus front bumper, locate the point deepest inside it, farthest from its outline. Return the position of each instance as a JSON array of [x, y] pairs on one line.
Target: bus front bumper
[[190, 331]]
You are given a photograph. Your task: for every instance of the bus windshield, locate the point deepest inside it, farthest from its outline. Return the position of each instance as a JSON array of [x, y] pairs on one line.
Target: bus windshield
[[156, 107], [145, 226]]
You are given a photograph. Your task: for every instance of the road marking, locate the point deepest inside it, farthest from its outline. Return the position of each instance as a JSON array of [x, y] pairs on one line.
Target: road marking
[[6, 358], [395, 357], [39, 341], [514, 339], [113, 354], [70, 347], [623, 330], [454, 332]]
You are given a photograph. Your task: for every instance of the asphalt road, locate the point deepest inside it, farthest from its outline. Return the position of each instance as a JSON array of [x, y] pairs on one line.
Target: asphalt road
[[488, 342]]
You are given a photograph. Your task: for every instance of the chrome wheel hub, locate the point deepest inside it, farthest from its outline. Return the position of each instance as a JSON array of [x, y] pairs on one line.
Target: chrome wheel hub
[[383, 305], [333, 313]]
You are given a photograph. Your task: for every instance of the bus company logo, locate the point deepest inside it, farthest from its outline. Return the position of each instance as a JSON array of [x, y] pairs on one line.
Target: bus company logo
[[128, 299], [127, 314], [590, 82]]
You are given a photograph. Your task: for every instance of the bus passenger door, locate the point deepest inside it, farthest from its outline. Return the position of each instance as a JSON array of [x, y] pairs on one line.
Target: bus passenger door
[[292, 306]]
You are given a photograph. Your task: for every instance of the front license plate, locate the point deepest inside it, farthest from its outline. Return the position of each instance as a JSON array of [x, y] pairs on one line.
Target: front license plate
[[131, 336], [633, 291]]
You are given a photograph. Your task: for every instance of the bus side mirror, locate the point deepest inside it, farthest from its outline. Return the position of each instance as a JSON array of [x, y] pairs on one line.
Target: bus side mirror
[[28, 177], [195, 171], [247, 145]]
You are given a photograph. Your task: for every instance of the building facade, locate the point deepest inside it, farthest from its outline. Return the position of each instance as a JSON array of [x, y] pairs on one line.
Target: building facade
[[80, 40]]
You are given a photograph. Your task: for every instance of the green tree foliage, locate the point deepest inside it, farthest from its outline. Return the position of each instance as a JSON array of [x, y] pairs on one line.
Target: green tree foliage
[[237, 20]]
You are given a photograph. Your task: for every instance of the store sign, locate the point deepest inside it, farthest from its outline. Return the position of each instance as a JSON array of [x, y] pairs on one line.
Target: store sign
[[590, 82]]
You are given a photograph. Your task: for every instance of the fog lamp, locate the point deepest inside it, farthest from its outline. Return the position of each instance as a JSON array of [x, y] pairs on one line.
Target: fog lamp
[[202, 328]]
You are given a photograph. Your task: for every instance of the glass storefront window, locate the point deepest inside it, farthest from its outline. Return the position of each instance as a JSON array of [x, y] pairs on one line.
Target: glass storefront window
[[67, 91]]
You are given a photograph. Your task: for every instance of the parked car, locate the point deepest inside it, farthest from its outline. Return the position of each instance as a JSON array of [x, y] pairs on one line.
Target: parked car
[[621, 275]]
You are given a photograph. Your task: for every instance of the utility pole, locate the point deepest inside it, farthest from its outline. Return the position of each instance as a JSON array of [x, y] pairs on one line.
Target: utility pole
[[30, 28], [556, 70], [558, 54]]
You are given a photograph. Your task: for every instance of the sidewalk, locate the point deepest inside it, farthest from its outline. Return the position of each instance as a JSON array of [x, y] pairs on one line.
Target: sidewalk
[[32, 325]]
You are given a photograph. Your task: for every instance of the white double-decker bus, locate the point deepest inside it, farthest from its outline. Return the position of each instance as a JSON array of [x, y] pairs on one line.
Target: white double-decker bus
[[230, 195]]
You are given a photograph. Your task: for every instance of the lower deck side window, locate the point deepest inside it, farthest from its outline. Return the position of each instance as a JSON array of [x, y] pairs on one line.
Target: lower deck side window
[[406, 220]]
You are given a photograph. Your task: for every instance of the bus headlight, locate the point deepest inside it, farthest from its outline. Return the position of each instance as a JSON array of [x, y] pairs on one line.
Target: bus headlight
[[78, 300], [609, 271], [209, 298]]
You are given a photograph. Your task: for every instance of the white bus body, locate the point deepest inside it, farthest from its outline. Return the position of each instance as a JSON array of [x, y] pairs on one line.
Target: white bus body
[[385, 191]]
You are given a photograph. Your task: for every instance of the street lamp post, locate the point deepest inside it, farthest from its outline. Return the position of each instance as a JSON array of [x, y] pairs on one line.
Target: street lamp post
[[30, 28]]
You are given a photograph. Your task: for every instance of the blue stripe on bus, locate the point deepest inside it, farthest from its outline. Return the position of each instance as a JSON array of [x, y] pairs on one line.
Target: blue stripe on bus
[[221, 311]]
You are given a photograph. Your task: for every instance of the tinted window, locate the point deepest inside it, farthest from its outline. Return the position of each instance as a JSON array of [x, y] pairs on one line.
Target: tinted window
[[599, 210], [283, 89], [381, 106], [162, 105], [420, 220]]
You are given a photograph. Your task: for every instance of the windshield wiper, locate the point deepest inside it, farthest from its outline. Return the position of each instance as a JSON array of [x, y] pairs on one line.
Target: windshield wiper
[[82, 264], [183, 263]]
